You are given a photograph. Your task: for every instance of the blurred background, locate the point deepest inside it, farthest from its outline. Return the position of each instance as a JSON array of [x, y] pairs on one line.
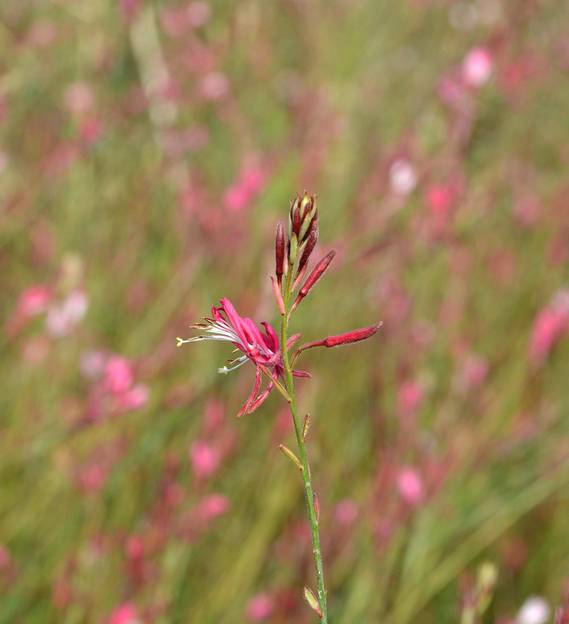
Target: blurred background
[[147, 151]]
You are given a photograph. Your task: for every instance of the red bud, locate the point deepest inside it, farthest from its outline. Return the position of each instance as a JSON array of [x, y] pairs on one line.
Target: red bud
[[308, 249], [279, 252], [314, 276], [353, 336]]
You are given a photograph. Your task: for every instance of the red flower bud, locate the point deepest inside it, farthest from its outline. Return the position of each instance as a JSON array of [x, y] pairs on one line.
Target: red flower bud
[[279, 252], [335, 341], [308, 249], [314, 277]]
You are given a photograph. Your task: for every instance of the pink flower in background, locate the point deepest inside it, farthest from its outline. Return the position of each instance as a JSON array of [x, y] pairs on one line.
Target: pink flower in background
[[79, 98], [62, 318], [551, 323], [474, 372], [440, 200], [198, 14], [125, 614], [346, 512], [41, 34], [92, 364], [118, 375], [34, 300], [130, 8], [205, 459], [214, 86], [410, 397], [410, 486], [212, 506], [134, 398], [477, 67], [260, 607], [244, 191]]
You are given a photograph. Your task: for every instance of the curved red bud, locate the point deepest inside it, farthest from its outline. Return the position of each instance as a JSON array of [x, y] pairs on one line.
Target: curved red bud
[[353, 336], [316, 274]]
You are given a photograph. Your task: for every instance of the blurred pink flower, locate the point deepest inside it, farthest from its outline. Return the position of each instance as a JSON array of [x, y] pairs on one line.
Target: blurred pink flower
[[410, 397], [410, 486], [64, 317], [41, 34], [79, 98], [125, 614], [5, 559], [92, 477], [477, 67], [130, 8], [212, 506], [34, 300], [118, 375], [474, 372], [260, 607], [92, 364], [134, 398], [551, 323], [198, 14], [346, 512], [214, 86], [243, 192], [205, 459]]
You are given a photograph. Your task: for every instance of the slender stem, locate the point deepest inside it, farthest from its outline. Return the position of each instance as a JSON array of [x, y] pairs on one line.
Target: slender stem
[[303, 456]]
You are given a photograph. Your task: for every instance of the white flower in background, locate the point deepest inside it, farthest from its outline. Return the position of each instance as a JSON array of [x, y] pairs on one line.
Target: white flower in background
[[535, 610], [477, 67], [64, 317], [402, 177]]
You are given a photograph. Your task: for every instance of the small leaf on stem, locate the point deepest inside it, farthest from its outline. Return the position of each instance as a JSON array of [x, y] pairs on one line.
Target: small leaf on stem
[[305, 426], [293, 458], [312, 601]]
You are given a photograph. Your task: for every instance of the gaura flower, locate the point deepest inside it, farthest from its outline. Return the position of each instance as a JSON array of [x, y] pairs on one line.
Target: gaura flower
[[260, 347]]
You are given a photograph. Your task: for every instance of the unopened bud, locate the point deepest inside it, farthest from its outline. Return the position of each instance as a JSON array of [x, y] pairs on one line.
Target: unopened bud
[[279, 252], [303, 216], [355, 335], [314, 277], [309, 246], [292, 249]]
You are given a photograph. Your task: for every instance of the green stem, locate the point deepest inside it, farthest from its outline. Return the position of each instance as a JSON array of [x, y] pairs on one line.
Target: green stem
[[303, 456]]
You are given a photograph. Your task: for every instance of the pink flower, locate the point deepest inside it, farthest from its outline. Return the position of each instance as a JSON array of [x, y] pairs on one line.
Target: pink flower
[[79, 98], [212, 507], [346, 512], [477, 67], [63, 318], [260, 607], [260, 348], [410, 486], [34, 300], [125, 614], [134, 398], [205, 459], [410, 397], [551, 324], [118, 375], [214, 86], [244, 191]]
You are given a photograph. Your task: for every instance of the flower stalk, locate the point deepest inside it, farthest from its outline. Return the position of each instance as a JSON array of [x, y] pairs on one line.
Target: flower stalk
[[300, 430], [270, 353]]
